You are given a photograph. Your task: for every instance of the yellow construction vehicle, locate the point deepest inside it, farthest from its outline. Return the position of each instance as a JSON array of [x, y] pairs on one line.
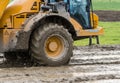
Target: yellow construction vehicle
[[46, 29]]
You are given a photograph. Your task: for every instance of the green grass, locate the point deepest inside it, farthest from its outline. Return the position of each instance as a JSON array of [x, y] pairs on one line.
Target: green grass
[[111, 35], [106, 4]]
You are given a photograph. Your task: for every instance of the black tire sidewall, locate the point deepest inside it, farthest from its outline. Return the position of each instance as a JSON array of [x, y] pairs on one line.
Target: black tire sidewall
[[63, 59]]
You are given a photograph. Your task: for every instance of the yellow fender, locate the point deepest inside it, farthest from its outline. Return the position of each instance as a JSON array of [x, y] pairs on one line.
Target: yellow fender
[[3, 4]]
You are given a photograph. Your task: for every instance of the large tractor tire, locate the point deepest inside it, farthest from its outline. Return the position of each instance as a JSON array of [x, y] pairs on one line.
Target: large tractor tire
[[51, 44]]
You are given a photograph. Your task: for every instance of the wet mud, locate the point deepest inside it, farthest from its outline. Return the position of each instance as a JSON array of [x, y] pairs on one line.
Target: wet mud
[[90, 64]]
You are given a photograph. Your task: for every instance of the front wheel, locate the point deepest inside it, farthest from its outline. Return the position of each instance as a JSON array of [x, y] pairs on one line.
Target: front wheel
[[51, 44]]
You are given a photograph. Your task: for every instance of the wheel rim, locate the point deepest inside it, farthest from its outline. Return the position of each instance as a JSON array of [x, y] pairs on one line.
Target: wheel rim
[[54, 46]]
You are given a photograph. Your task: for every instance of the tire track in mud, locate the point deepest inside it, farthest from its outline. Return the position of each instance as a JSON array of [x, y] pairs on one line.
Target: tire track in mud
[[100, 64], [102, 57], [88, 65], [64, 74]]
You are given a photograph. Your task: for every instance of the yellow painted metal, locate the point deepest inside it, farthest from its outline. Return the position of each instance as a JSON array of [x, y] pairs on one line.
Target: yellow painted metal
[[14, 15], [94, 20], [17, 11], [89, 32], [5, 37], [54, 46], [3, 4]]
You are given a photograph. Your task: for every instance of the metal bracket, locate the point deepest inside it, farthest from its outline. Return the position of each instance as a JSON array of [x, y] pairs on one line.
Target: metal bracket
[[97, 40]]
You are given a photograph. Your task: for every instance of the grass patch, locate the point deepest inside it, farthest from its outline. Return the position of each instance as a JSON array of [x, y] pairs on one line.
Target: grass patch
[[110, 37], [106, 4]]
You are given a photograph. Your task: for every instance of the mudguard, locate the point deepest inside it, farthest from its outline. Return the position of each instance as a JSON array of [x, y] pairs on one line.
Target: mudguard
[[40, 17], [21, 39], [3, 4]]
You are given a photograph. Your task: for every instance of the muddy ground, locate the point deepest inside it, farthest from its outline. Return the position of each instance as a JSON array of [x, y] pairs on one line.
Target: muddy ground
[[90, 64], [94, 64], [108, 15]]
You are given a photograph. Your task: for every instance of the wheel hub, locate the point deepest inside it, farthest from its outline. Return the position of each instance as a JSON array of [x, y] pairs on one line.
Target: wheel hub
[[53, 46]]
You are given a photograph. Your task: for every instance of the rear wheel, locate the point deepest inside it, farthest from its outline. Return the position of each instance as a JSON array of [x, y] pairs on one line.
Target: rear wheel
[[51, 44]]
